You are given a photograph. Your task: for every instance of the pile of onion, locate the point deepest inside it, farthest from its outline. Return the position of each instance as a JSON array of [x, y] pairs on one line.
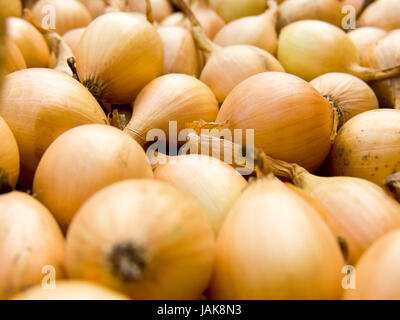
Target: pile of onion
[[13, 57], [30, 240], [73, 37], [9, 158], [41, 104], [143, 238], [11, 8], [231, 10], [382, 14], [160, 8]]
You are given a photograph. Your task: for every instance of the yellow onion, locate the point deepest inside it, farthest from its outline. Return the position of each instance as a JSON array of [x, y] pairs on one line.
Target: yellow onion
[[274, 245], [364, 38], [292, 121], [210, 21], [9, 158], [70, 290], [143, 238], [382, 14], [377, 275], [96, 7], [14, 59], [11, 8], [30, 42], [231, 10], [68, 14], [324, 10], [173, 97], [41, 104], [30, 240], [160, 8], [368, 146], [180, 52], [73, 37], [310, 48], [349, 94], [213, 183], [81, 162], [132, 49], [258, 31]]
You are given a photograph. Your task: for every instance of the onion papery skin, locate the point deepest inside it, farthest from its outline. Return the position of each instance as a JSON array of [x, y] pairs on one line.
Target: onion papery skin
[[180, 52], [348, 93], [14, 59], [73, 37], [160, 8], [231, 65], [69, 14], [132, 49], [30, 240], [39, 105], [159, 242], [231, 10], [30, 42], [71, 290], [290, 118], [377, 272], [274, 245], [82, 161], [9, 158], [96, 7], [11, 8], [160, 102], [213, 183], [176, 19], [382, 14], [367, 146]]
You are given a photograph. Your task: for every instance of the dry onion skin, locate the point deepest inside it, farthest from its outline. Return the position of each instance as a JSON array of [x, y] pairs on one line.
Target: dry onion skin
[[82, 161], [349, 94], [96, 7], [231, 10], [160, 8], [11, 8], [143, 238], [30, 239], [73, 37], [9, 158], [377, 273], [13, 57], [274, 245], [30, 42], [382, 14], [160, 102], [367, 146], [258, 31], [39, 105], [132, 49], [213, 183], [71, 290], [310, 48]]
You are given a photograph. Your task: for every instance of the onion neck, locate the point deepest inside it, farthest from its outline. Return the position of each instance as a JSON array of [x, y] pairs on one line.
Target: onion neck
[[338, 116], [392, 183], [135, 134], [272, 11], [368, 74]]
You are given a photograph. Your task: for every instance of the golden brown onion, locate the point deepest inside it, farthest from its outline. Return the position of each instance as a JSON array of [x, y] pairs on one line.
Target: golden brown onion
[[14, 59], [231, 10], [9, 158]]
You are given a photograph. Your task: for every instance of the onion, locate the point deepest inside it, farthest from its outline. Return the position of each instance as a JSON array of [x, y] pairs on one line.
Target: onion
[[41, 104], [60, 53], [11, 8], [382, 14], [160, 8], [213, 183], [71, 290], [14, 59], [349, 94], [9, 158], [177, 19], [324, 10], [73, 37], [258, 31], [377, 273], [310, 48], [368, 146], [364, 38], [133, 51], [143, 238], [96, 7], [160, 102], [274, 245], [30, 41], [30, 239], [231, 10], [81, 162], [210, 21], [358, 5], [69, 14]]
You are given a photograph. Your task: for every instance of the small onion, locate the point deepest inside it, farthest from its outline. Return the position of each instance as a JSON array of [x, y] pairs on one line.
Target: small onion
[[213, 183], [9, 158], [96, 7], [368, 146], [231, 10], [30, 239], [30, 42], [143, 238], [377, 275], [73, 37], [132, 49], [274, 245], [160, 8], [68, 14], [382, 14], [41, 104], [11, 8], [173, 97], [70, 290], [310, 48], [14, 59], [81, 162]]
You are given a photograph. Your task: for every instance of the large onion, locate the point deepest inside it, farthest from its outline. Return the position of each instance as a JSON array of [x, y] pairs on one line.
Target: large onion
[[41, 104], [381, 14], [14, 59], [73, 37], [160, 8], [132, 49], [143, 238], [30, 240], [274, 245], [9, 158], [231, 10]]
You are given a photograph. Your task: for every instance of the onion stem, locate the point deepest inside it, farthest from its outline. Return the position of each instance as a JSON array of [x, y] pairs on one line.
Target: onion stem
[[368, 74]]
